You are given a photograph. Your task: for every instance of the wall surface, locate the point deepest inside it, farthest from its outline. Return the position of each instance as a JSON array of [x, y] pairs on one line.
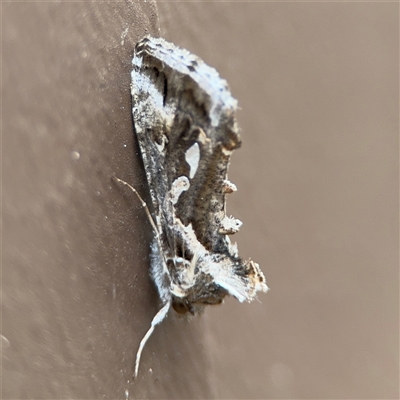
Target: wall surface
[[317, 175]]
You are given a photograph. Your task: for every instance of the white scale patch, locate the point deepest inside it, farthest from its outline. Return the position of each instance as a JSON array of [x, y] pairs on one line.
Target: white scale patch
[[180, 185], [192, 157]]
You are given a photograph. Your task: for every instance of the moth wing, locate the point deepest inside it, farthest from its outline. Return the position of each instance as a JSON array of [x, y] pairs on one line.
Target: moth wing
[[191, 131]]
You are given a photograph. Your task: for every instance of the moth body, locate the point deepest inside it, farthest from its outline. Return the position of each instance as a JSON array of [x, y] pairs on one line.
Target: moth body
[[184, 118]]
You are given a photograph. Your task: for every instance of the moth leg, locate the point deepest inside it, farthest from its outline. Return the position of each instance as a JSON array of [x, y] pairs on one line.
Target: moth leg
[[156, 320], [143, 203]]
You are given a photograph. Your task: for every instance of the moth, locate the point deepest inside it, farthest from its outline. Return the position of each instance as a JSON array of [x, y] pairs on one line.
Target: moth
[[185, 122]]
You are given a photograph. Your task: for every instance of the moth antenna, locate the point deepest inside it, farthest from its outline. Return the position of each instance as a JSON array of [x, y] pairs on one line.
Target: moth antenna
[[164, 310], [143, 204], [162, 313], [156, 320]]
